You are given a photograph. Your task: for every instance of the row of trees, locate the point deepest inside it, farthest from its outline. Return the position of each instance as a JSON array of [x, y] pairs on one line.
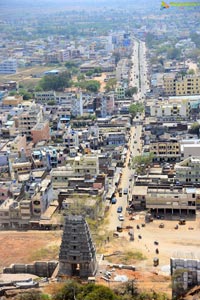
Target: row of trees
[[72, 290]]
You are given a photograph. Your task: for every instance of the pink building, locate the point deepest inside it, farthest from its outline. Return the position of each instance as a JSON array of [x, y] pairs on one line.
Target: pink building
[[40, 132]]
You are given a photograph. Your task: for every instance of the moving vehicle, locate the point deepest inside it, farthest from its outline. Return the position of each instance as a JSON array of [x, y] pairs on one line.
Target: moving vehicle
[[120, 192], [113, 200], [121, 218], [155, 261], [125, 191], [119, 209], [119, 229]]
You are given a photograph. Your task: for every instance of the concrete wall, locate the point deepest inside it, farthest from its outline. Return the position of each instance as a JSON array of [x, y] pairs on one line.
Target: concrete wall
[[39, 268]]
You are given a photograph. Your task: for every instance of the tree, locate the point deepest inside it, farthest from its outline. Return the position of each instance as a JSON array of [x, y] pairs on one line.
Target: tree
[[173, 53], [92, 86], [111, 84], [56, 82], [89, 73], [142, 162], [89, 85], [131, 91], [26, 95], [70, 64], [13, 93], [194, 129], [81, 77], [191, 72], [136, 108]]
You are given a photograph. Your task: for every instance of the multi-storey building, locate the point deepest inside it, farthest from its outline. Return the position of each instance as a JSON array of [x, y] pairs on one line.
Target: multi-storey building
[[85, 165], [189, 85], [44, 97], [169, 85], [165, 150], [171, 200], [176, 85], [28, 119], [188, 170], [169, 109]]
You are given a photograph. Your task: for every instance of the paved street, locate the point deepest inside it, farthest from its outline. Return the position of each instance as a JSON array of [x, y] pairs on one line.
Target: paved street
[[138, 78], [138, 73], [127, 174]]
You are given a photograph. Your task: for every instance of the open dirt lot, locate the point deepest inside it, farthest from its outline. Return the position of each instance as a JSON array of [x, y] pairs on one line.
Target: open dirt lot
[[183, 242], [26, 247]]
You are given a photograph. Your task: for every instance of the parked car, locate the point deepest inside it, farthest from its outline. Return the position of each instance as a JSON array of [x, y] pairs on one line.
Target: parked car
[[119, 209], [176, 227], [156, 243]]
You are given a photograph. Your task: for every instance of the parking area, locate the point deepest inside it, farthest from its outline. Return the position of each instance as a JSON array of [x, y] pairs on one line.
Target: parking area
[[160, 238]]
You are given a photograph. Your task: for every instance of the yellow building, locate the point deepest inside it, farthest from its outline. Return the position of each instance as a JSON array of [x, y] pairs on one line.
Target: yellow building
[[169, 84], [181, 86], [189, 85], [165, 150]]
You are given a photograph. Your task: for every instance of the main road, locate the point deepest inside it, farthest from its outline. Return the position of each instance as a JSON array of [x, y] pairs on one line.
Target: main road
[[138, 78], [138, 72], [134, 148]]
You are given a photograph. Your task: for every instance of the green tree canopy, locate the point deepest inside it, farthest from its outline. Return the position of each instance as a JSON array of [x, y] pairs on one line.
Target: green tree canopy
[[136, 108], [89, 85], [131, 91], [194, 129], [173, 53], [26, 95], [142, 162], [111, 84], [56, 82], [191, 72], [70, 64]]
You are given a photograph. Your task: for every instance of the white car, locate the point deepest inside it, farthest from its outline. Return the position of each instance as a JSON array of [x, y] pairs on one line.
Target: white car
[[121, 218]]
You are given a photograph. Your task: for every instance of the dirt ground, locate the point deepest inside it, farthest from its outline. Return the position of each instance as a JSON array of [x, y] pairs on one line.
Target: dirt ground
[[26, 247], [182, 242]]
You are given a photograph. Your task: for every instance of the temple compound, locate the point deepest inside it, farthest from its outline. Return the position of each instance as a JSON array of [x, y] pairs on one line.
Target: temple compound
[[77, 252]]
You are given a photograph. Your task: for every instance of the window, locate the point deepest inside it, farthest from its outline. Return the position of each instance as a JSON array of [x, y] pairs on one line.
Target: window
[[74, 257]]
